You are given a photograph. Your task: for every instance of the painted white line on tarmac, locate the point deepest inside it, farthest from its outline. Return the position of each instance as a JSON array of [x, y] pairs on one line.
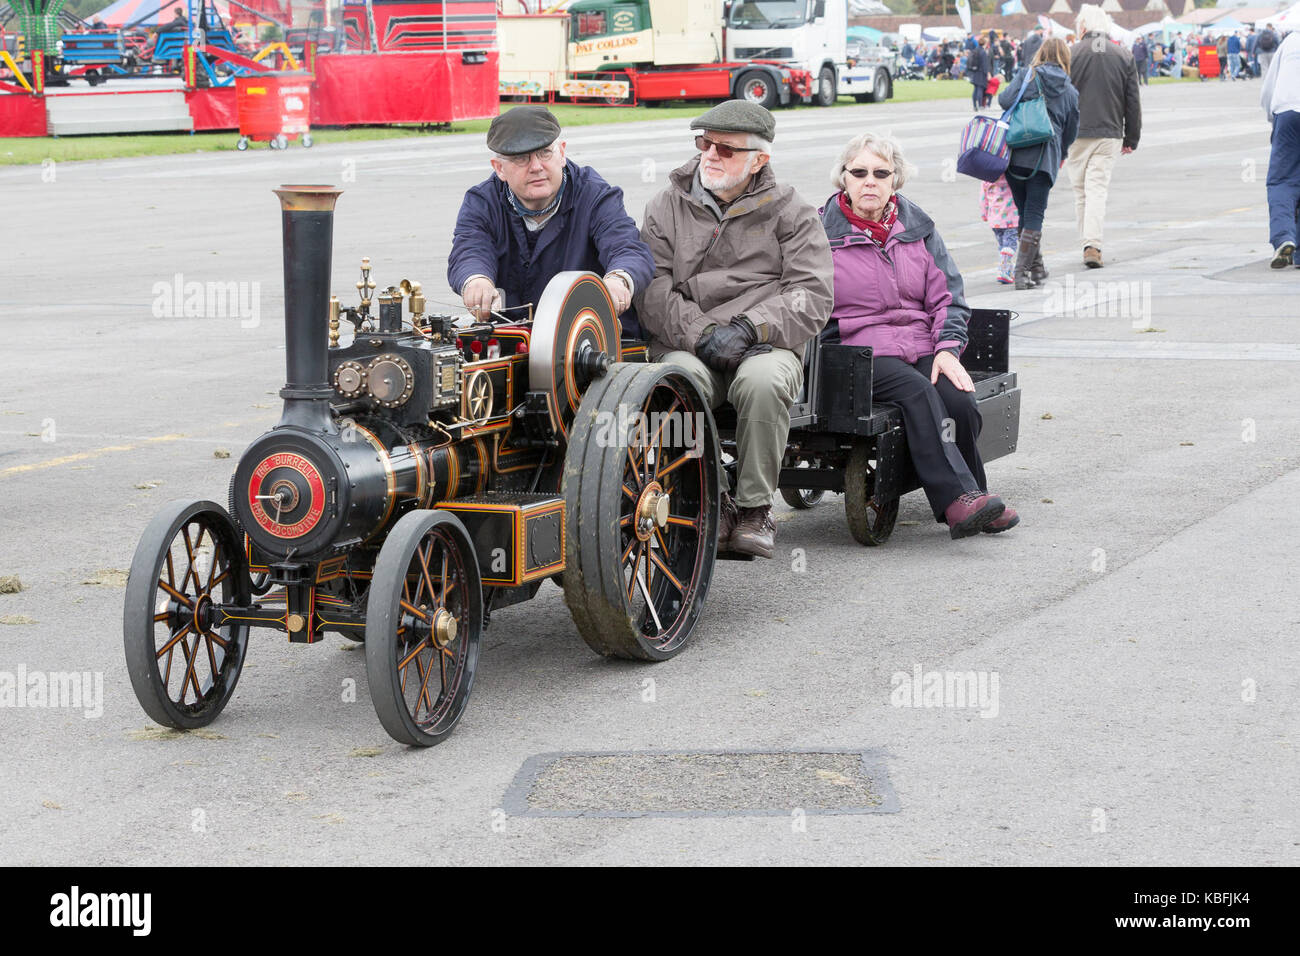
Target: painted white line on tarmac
[[1178, 351]]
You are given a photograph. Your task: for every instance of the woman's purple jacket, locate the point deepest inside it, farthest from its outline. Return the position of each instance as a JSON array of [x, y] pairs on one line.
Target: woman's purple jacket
[[907, 300]]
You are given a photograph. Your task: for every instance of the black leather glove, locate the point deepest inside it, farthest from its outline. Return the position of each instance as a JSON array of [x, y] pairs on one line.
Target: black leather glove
[[722, 347]]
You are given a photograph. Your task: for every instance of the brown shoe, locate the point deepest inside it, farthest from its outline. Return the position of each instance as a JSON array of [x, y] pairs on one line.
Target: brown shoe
[[755, 533], [727, 515], [1092, 257]]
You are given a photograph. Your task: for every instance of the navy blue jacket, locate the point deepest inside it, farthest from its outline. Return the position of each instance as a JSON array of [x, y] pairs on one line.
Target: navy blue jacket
[[1062, 108], [590, 231]]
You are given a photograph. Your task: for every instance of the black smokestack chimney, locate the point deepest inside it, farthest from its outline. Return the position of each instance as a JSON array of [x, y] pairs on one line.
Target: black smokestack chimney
[[307, 214]]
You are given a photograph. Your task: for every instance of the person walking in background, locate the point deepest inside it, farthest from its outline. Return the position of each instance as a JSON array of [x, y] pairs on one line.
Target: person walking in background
[[1221, 48], [978, 69], [1265, 47], [998, 209], [1280, 97], [1234, 54], [1110, 122], [1140, 59], [1032, 169], [1029, 48], [1252, 54]]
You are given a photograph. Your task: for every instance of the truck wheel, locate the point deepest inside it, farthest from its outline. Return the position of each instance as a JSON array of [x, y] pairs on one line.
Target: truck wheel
[[826, 92], [880, 89], [617, 77], [641, 511], [424, 625], [757, 87], [871, 521], [184, 665]]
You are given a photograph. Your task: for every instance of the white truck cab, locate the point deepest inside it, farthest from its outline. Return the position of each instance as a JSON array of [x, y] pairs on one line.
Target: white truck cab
[[810, 35]]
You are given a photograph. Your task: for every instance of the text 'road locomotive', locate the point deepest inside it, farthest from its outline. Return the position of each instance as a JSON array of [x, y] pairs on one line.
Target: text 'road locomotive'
[[424, 473]]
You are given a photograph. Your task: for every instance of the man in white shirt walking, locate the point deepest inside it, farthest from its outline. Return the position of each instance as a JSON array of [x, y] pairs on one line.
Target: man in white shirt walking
[[1280, 98]]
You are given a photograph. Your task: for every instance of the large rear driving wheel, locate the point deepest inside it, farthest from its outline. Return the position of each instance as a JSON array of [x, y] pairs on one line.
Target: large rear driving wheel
[[641, 493]]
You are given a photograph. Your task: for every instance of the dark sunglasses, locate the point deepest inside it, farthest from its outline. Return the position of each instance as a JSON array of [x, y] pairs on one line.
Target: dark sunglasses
[[702, 143], [864, 173]]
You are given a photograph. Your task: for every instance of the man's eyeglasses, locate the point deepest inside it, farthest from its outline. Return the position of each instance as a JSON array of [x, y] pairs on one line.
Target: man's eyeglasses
[[526, 159], [864, 173], [702, 143]]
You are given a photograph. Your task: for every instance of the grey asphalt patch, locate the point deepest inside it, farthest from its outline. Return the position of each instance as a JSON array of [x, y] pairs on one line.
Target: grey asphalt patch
[[701, 784]]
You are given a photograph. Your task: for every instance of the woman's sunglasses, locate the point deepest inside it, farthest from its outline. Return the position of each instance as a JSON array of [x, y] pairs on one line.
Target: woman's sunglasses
[[864, 173], [702, 143]]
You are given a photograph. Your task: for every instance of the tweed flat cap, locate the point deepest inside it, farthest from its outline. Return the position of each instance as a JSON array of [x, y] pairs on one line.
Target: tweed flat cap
[[522, 130], [738, 116]]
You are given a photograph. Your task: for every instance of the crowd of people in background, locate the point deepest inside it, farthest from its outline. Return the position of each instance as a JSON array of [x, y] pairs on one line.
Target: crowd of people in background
[[1241, 54], [1090, 83]]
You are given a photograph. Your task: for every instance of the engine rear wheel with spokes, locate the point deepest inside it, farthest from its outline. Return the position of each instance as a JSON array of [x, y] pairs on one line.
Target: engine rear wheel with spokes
[[641, 495]]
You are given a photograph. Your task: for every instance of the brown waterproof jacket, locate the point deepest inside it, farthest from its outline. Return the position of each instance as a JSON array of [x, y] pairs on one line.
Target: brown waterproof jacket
[[766, 257]]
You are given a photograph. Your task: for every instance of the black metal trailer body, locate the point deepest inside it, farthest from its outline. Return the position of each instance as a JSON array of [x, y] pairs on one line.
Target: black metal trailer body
[[840, 441]]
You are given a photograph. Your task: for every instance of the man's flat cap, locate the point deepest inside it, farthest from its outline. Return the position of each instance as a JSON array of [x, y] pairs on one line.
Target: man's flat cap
[[738, 116], [522, 130]]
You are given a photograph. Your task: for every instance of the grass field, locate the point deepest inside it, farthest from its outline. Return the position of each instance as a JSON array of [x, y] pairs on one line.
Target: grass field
[[21, 151]]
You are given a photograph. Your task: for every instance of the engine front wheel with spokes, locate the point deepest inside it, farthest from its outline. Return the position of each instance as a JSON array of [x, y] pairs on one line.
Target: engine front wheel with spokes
[[183, 656], [424, 626]]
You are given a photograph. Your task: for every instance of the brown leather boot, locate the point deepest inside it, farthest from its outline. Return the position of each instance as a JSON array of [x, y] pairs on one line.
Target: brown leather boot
[[1092, 257], [755, 533], [727, 515], [1025, 252], [1037, 269]]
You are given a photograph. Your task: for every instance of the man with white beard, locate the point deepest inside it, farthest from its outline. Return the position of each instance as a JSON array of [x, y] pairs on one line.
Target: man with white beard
[[742, 282]]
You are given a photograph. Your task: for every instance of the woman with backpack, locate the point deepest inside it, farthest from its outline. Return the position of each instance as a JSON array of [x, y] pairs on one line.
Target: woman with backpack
[[1032, 169]]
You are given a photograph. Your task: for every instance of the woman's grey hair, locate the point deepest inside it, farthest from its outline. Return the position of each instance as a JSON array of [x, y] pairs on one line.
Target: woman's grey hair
[[886, 147]]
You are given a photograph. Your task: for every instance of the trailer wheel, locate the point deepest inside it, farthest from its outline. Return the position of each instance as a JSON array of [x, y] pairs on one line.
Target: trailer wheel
[[424, 625], [757, 87], [641, 496], [826, 93], [880, 88], [871, 521], [801, 499], [242, 143], [182, 663]]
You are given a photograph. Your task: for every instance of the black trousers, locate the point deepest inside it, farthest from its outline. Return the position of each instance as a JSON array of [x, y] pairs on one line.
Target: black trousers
[[944, 455]]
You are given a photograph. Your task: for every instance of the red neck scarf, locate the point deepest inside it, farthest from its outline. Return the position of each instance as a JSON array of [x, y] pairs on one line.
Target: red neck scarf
[[878, 231]]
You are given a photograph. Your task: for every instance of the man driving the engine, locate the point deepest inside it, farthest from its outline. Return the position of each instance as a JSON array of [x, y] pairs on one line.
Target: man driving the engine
[[540, 214]]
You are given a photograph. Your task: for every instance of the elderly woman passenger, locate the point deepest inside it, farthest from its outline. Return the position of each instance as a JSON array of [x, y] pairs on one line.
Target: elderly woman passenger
[[898, 291]]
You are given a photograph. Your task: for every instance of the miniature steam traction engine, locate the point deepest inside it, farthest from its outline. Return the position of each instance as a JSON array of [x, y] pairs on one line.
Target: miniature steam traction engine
[[424, 473], [430, 470]]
